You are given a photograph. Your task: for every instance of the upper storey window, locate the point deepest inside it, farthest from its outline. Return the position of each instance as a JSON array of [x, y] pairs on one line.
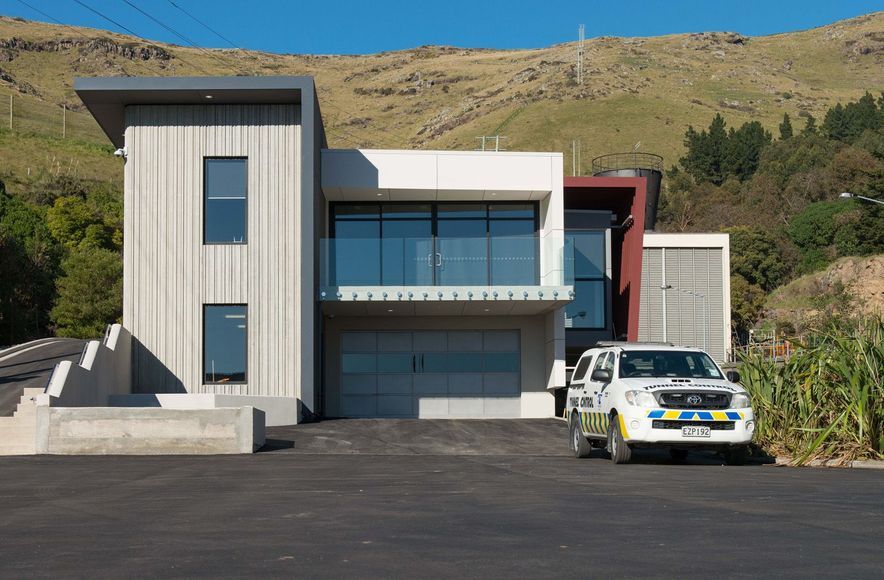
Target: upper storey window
[[225, 192]]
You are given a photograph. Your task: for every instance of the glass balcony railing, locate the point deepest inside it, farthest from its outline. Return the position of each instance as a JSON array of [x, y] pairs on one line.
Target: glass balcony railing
[[440, 261]]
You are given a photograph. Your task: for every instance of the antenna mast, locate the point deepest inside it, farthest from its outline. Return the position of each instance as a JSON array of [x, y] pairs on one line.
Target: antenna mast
[[580, 50]]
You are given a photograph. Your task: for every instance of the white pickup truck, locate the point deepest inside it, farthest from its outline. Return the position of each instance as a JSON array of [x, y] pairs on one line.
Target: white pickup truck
[[630, 395]]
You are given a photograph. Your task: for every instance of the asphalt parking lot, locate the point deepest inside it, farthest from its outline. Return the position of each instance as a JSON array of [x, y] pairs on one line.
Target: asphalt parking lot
[[314, 506]]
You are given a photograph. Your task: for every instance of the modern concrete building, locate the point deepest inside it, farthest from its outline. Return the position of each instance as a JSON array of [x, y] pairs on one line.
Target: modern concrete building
[[260, 264], [263, 268]]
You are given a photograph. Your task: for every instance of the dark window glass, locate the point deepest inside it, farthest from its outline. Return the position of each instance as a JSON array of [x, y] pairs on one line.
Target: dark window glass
[[407, 211], [350, 212], [587, 310], [408, 253], [513, 252], [582, 366], [395, 363], [589, 254], [462, 253], [434, 362], [226, 197], [225, 344], [464, 362], [357, 253], [462, 210], [667, 363], [512, 210]]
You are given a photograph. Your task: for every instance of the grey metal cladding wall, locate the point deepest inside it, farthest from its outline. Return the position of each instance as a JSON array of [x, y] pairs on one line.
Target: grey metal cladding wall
[[170, 274], [686, 269]]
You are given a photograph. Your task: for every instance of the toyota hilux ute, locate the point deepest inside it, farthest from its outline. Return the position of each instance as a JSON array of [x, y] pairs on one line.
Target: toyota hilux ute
[[629, 395]]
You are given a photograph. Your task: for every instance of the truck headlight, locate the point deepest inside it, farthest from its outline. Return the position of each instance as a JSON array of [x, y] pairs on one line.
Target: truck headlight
[[641, 399], [740, 401]]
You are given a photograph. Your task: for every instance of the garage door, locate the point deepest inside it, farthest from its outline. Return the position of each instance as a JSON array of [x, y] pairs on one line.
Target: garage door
[[430, 374]]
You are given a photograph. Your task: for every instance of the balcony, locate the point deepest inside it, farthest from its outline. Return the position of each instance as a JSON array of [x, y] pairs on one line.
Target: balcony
[[444, 275]]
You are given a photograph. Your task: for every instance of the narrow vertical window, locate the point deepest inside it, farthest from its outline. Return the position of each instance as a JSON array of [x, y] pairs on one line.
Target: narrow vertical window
[[225, 343], [225, 190]]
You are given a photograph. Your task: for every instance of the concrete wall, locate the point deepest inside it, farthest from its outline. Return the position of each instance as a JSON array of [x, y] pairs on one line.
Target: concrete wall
[[277, 410], [536, 373], [104, 370], [170, 274], [129, 431]]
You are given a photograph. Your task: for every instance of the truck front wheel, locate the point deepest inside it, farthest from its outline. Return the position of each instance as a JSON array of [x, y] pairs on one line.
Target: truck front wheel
[[579, 445], [619, 449]]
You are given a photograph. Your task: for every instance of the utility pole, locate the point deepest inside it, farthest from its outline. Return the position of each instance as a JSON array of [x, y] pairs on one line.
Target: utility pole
[[580, 50], [575, 157], [10, 112], [64, 120]]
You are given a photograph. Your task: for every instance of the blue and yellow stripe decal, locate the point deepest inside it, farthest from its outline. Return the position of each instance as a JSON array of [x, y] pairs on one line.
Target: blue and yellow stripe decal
[[594, 423], [696, 415]]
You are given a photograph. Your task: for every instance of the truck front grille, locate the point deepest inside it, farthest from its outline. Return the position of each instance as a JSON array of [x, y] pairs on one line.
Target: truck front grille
[[713, 425], [679, 400]]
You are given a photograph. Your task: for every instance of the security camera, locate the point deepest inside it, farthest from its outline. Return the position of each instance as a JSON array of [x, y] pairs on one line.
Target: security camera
[[121, 152]]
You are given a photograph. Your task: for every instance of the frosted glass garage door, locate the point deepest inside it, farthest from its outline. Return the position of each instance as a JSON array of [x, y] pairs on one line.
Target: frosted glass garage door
[[430, 374]]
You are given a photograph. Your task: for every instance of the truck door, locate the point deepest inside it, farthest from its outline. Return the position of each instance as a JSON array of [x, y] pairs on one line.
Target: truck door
[[595, 396], [577, 390]]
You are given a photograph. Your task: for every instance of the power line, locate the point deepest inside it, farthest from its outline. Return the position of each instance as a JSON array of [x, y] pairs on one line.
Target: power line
[[182, 37], [204, 25], [135, 34], [71, 28]]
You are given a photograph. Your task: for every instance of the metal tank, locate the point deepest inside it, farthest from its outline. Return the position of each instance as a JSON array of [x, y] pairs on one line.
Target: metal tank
[[635, 164]]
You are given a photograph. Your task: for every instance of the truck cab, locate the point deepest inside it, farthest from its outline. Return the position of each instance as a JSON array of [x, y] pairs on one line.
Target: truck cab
[[629, 395]]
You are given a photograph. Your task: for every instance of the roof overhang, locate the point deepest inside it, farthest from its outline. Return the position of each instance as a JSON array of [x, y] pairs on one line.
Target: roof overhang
[[107, 97]]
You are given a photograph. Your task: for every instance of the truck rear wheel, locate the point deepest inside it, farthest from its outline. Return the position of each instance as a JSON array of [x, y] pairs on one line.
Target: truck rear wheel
[[617, 446], [579, 444]]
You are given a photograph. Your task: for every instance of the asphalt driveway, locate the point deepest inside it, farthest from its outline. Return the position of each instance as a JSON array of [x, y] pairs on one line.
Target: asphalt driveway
[[296, 512], [31, 365]]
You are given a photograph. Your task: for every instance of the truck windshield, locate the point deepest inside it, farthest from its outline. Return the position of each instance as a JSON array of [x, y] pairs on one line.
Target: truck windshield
[[667, 363]]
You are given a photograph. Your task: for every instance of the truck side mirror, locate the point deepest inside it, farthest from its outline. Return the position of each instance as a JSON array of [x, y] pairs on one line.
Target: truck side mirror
[[733, 376], [601, 376]]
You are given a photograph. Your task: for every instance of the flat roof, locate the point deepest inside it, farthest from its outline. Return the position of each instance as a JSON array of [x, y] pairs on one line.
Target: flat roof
[[107, 97]]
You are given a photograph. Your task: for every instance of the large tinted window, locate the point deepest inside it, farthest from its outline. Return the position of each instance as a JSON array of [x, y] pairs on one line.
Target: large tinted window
[[225, 343], [226, 198], [585, 253]]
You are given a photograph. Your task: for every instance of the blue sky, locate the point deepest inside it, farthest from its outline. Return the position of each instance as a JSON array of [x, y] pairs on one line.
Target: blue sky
[[351, 26]]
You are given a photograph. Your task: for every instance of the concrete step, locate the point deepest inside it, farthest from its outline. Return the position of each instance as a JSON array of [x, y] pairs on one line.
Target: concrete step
[[32, 391], [27, 400], [25, 409], [8, 433]]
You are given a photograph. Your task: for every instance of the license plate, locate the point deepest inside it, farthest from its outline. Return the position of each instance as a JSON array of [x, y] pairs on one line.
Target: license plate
[[696, 431]]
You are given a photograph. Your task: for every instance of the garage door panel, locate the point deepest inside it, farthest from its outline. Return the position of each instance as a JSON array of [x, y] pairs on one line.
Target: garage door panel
[[503, 407], [359, 384], [465, 340], [394, 385], [501, 341], [395, 342], [431, 384], [429, 407], [465, 383], [359, 342], [396, 405], [430, 341], [360, 405], [501, 383]]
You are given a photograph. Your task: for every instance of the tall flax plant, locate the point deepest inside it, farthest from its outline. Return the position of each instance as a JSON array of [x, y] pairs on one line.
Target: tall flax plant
[[827, 399]]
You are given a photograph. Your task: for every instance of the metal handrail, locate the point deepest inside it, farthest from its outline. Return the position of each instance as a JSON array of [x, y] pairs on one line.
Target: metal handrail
[[632, 160]]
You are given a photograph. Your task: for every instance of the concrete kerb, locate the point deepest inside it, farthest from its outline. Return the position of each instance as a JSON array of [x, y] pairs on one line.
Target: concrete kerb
[[783, 461]]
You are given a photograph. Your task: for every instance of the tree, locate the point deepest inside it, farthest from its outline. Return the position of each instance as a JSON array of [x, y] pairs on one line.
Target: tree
[[785, 127], [743, 150], [90, 293], [809, 126], [747, 303], [28, 266], [705, 152], [756, 257]]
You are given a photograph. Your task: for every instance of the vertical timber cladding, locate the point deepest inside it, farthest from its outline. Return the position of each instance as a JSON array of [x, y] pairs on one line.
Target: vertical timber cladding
[[171, 274]]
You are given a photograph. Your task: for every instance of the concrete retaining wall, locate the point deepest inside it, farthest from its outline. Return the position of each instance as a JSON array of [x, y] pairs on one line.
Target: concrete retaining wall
[[148, 431], [277, 410], [105, 369]]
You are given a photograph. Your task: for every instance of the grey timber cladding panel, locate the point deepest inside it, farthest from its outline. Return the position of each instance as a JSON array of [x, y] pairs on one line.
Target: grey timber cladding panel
[[170, 274]]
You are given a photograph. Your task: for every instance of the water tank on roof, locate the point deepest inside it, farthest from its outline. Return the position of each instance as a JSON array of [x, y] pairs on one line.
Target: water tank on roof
[[635, 164]]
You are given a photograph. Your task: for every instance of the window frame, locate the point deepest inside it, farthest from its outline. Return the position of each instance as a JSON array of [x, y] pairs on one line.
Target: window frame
[[206, 159], [245, 380], [600, 278], [582, 375]]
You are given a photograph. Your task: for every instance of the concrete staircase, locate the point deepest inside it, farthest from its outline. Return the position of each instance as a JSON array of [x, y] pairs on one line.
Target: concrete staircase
[[18, 434]]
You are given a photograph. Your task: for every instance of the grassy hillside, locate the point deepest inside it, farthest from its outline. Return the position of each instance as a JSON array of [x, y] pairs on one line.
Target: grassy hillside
[[644, 90]]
